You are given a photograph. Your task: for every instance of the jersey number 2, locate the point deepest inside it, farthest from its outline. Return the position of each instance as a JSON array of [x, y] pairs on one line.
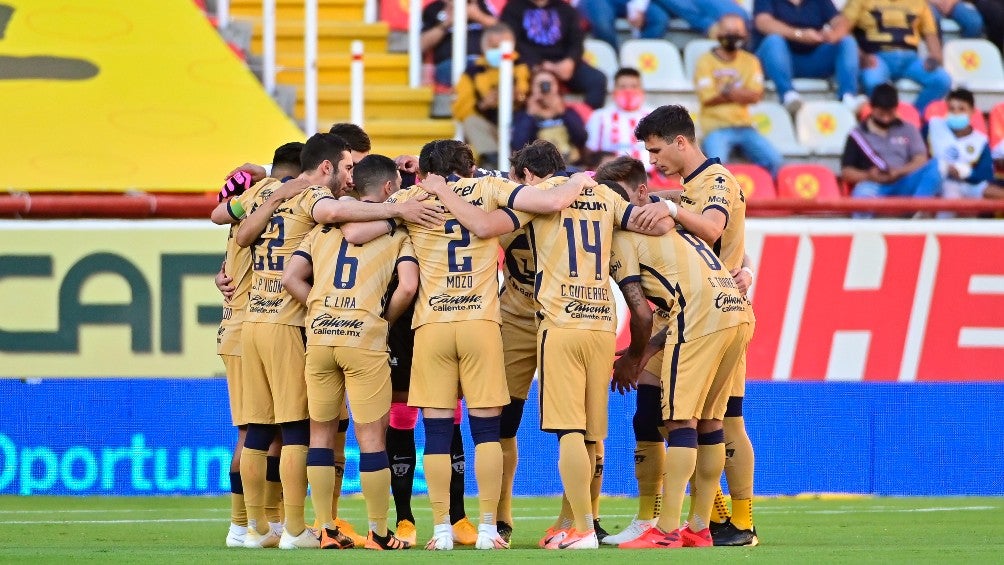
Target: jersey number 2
[[461, 264]]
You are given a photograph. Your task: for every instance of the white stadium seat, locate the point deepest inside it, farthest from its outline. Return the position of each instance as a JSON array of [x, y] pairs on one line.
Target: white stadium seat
[[659, 63], [602, 56], [974, 64], [693, 51], [822, 127], [774, 123]]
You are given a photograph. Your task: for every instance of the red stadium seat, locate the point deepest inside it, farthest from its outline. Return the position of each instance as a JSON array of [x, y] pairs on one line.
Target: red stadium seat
[[906, 112], [808, 182], [939, 109], [754, 180], [996, 124], [582, 109]]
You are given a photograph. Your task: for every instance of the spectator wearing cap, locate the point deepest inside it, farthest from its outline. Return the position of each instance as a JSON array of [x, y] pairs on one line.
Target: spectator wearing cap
[[647, 20], [611, 128], [889, 33], [437, 34], [885, 156], [806, 39], [963, 153], [549, 37], [728, 80]]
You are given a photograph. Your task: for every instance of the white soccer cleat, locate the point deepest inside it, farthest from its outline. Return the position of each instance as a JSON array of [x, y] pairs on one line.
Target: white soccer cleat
[[556, 538], [442, 538], [254, 540], [236, 535], [634, 531], [306, 540], [489, 538]]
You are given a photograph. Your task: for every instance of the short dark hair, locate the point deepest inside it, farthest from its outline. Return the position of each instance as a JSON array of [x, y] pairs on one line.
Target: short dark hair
[[288, 154], [884, 97], [322, 147], [444, 157], [623, 169], [541, 157], [354, 136], [962, 95], [666, 122], [616, 187], [627, 72], [371, 172]]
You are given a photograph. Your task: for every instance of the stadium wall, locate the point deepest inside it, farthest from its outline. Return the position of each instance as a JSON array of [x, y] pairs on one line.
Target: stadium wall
[[877, 363]]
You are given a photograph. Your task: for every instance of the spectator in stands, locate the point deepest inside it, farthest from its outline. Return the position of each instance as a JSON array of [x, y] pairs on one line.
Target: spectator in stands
[[549, 37], [477, 102], [965, 14], [702, 15], [437, 34], [546, 117], [885, 156], [962, 153], [728, 80], [810, 39], [889, 32], [647, 20], [611, 128]]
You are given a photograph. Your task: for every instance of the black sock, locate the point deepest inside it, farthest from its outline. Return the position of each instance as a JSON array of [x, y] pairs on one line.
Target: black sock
[[401, 455], [457, 511]]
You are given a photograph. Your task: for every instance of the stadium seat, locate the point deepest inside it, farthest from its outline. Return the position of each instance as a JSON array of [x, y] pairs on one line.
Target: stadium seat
[[602, 56], [582, 109], [996, 124], [693, 51], [659, 63], [774, 123], [807, 182], [754, 180], [974, 64], [939, 109], [906, 112], [822, 127]]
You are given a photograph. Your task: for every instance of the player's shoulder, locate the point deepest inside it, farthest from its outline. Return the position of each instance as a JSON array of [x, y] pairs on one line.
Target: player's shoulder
[[405, 194]]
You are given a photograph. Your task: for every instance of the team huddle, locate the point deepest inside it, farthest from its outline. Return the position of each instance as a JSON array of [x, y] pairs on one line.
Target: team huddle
[[346, 294]]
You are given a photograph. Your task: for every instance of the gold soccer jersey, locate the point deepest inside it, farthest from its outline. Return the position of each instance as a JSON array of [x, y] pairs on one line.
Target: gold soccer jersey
[[517, 294], [712, 186], [572, 251], [680, 274], [350, 286], [268, 301], [889, 24], [711, 74], [460, 270]]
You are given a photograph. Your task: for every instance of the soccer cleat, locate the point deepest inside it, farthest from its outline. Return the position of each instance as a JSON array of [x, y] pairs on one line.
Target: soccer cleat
[[307, 539], [553, 538], [505, 531], [600, 532], [442, 538], [655, 538], [695, 539], [334, 538], [728, 535], [388, 542], [347, 529], [254, 540], [579, 540], [235, 536], [406, 531], [634, 531], [489, 538], [464, 532]]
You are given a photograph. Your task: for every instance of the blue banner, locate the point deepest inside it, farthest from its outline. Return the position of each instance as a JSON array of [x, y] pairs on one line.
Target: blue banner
[[170, 437]]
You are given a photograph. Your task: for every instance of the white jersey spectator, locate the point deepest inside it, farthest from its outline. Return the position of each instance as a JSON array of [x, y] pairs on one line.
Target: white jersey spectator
[[611, 128]]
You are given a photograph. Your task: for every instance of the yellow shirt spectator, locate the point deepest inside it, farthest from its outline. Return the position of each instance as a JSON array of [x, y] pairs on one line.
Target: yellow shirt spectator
[[712, 74]]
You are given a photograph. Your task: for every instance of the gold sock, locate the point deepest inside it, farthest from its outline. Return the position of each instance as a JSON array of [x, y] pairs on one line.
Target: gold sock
[[576, 469], [376, 491], [739, 460], [339, 449], [742, 513], [710, 461], [253, 465], [322, 483], [238, 512], [596, 486], [510, 458], [293, 471], [273, 502], [649, 460], [438, 471], [488, 472], [720, 510], [680, 462]]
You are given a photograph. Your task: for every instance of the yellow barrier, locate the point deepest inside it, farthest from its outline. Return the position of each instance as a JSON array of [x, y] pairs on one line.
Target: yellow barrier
[[126, 94]]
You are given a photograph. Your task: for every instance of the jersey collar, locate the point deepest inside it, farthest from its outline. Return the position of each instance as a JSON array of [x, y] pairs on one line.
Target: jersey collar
[[707, 163]]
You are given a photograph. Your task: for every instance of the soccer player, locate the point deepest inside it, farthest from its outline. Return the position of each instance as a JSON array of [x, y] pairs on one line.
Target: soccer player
[[712, 208], [703, 345], [272, 337], [575, 339], [344, 288]]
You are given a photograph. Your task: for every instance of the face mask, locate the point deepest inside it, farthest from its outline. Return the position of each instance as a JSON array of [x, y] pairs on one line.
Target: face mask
[[731, 42], [494, 58], [957, 121], [629, 99]]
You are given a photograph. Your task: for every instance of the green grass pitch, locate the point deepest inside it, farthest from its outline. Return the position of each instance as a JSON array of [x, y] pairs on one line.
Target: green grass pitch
[[191, 530]]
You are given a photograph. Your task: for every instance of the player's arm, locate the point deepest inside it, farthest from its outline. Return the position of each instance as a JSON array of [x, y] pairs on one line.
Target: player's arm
[[536, 201], [257, 172], [297, 276], [483, 224], [660, 226], [257, 221], [744, 275], [626, 368], [227, 212], [359, 233], [331, 211], [707, 225], [404, 294], [224, 282]]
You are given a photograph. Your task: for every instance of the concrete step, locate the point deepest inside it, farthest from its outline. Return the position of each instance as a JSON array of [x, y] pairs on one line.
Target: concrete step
[[332, 37], [381, 102], [327, 10], [379, 68]]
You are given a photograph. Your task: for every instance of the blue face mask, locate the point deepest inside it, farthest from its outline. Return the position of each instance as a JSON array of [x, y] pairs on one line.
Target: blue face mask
[[957, 121], [494, 58]]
